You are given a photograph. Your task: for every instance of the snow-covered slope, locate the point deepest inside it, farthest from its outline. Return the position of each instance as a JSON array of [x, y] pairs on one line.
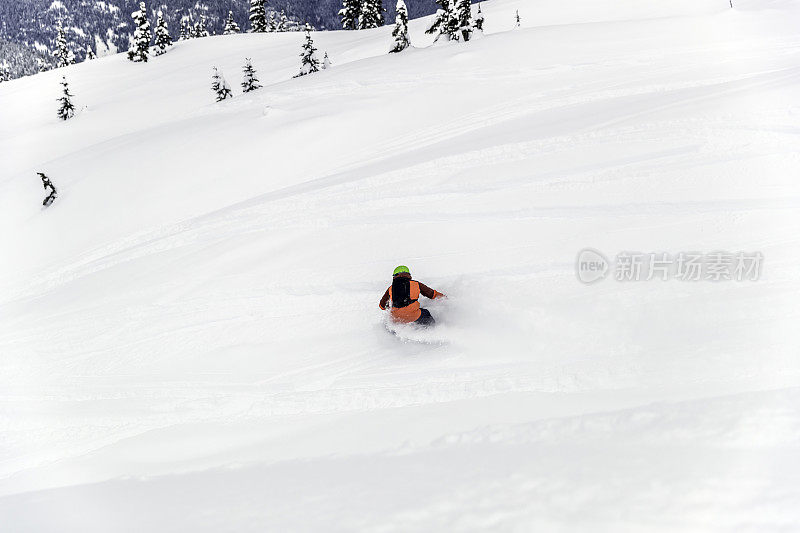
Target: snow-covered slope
[[190, 339]]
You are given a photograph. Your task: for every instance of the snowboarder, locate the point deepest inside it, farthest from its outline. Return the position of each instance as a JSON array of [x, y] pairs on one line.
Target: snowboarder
[[49, 189], [403, 295]]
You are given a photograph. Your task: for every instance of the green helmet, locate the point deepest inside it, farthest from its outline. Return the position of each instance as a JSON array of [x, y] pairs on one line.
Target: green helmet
[[400, 270]]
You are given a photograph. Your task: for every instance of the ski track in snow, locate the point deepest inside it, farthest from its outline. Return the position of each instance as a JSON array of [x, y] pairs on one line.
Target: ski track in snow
[[192, 328]]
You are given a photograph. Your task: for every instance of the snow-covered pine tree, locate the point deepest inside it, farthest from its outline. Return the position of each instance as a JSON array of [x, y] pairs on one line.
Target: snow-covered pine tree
[[283, 22], [42, 64], [400, 32], [453, 23], [66, 110], [477, 22], [90, 53], [371, 15], [230, 25], [215, 80], [272, 23], [462, 24], [250, 82], [140, 46], [4, 75], [308, 57], [62, 54], [258, 17], [220, 86], [163, 39], [518, 23], [350, 13], [49, 189], [326, 62], [186, 29], [441, 22], [200, 28]]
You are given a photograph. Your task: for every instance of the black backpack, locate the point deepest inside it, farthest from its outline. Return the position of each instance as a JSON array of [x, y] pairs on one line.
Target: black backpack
[[401, 292]]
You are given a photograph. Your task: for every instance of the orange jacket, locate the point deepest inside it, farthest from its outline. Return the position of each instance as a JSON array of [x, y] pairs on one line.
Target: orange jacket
[[411, 312]]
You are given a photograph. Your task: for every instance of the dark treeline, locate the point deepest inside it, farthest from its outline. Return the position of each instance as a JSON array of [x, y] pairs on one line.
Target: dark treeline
[[27, 27]]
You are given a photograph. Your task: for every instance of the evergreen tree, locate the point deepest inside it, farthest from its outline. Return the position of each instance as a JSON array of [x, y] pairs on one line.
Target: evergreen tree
[[62, 54], [477, 22], [66, 110], [43, 67], [163, 39], [272, 24], [371, 14], [230, 25], [258, 16], [462, 23], [90, 53], [49, 189], [4, 75], [400, 32], [186, 29], [200, 29], [308, 57], [215, 80], [453, 22], [441, 22], [220, 86], [283, 22], [140, 46], [326, 62], [250, 82], [518, 22], [350, 13]]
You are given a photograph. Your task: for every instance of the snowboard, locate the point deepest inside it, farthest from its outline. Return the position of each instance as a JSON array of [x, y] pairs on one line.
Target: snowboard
[[414, 333]]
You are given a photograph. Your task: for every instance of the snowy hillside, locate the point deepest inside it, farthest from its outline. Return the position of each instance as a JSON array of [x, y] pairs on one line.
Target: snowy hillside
[[190, 337]]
